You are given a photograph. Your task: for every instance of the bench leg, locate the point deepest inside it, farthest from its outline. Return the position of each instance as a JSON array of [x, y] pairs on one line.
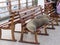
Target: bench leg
[[45, 31], [36, 39], [56, 21], [21, 39], [52, 26], [13, 36], [12, 32]]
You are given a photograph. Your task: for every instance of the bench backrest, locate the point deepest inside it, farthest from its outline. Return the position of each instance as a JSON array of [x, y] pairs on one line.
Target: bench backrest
[[21, 16], [29, 14]]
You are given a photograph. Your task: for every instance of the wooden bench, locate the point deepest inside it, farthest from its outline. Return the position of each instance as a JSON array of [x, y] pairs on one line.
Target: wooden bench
[[50, 10], [20, 16], [14, 19], [24, 16]]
